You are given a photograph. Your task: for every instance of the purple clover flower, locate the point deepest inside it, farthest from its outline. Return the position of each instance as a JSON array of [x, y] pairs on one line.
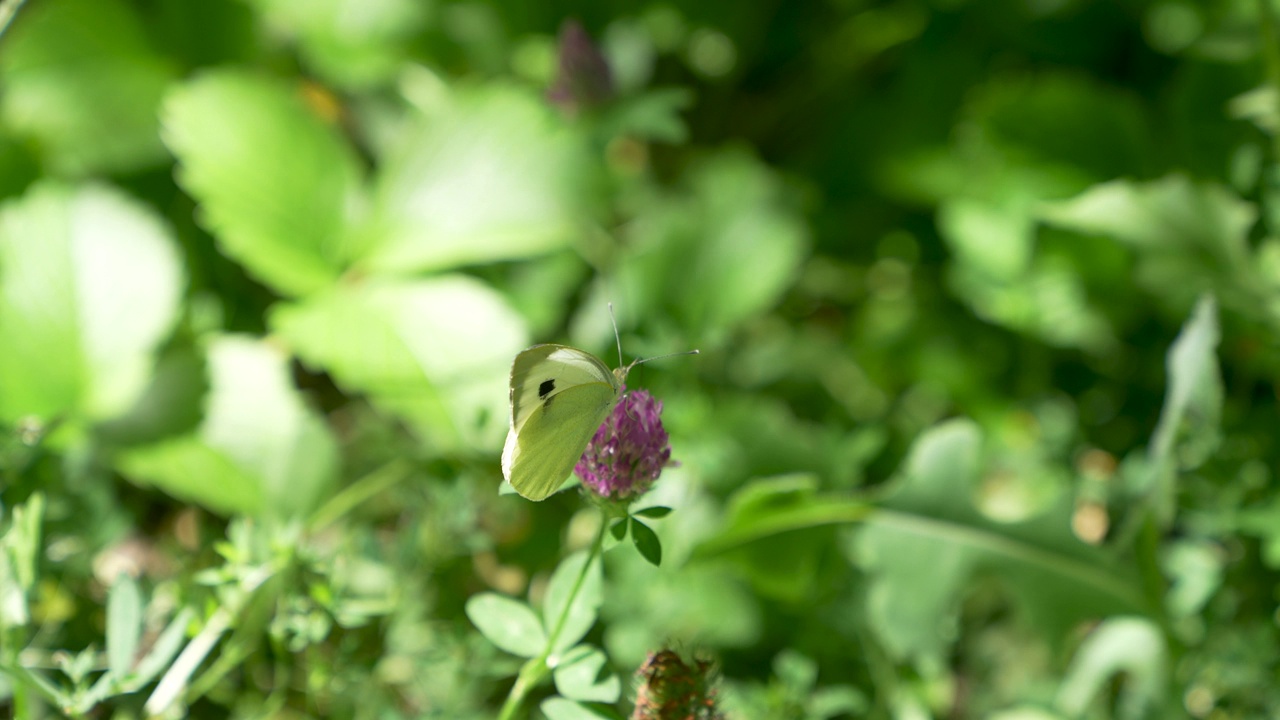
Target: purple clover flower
[[583, 79], [629, 450]]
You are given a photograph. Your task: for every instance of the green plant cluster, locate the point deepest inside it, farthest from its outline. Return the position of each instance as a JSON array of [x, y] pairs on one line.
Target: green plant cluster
[[987, 295]]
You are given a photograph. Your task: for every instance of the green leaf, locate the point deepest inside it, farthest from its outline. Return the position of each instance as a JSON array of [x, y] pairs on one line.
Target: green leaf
[[90, 284], [1133, 646], [558, 708], [507, 623], [161, 653], [82, 83], [1189, 429], [1189, 238], [19, 549], [717, 254], [490, 175], [768, 507], [436, 352], [124, 624], [260, 449], [922, 548], [348, 51], [656, 512], [646, 541], [583, 608], [276, 184], [618, 530], [584, 675]]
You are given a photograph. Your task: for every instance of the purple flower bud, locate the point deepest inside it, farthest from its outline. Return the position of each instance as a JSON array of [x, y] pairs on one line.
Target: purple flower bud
[[583, 79], [629, 450]]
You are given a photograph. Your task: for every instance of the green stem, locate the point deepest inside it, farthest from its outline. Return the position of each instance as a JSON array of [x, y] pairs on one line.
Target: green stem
[[533, 672]]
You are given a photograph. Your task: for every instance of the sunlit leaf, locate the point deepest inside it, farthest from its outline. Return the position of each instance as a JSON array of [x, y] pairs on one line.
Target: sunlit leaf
[[90, 284], [260, 449], [507, 623], [1130, 645], [492, 175], [276, 184], [584, 675], [354, 43], [436, 352], [124, 624]]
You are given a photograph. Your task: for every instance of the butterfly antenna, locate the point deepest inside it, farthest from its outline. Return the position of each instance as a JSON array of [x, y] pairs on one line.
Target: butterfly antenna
[[616, 337], [638, 361]]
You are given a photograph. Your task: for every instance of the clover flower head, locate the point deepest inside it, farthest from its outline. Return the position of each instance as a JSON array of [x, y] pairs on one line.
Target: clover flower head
[[629, 451], [583, 77]]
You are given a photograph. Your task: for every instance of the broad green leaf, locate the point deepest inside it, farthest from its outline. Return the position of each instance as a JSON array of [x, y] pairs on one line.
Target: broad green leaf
[[354, 43], [655, 512], [124, 624], [584, 675], [768, 507], [1133, 646], [646, 541], [82, 82], [90, 284], [436, 352], [583, 608], [259, 450], [491, 175], [1189, 238], [276, 184], [558, 708], [716, 255], [928, 540], [507, 623], [1188, 432]]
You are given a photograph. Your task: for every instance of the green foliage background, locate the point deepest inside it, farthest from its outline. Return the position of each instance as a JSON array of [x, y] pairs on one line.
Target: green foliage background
[[987, 295]]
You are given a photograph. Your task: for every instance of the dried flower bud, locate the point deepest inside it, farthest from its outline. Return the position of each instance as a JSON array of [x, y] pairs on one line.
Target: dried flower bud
[[671, 689], [629, 450]]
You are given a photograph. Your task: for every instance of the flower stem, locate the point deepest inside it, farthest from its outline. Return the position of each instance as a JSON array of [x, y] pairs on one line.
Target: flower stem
[[533, 672]]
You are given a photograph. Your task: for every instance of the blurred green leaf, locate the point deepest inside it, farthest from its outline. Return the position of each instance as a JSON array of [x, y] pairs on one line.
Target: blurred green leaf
[[584, 675], [259, 450], [716, 255], [90, 284], [354, 43], [1196, 572], [81, 80], [436, 352], [768, 507], [656, 512], [558, 708], [488, 175], [928, 540], [19, 549], [1188, 432], [1130, 645], [276, 184], [507, 623], [1189, 238], [582, 608], [124, 624]]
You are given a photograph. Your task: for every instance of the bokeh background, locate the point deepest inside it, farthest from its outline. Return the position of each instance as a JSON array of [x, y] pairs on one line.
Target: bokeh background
[[986, 293]]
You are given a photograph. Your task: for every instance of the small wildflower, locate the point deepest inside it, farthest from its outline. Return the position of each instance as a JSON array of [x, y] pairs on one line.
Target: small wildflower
[[583, 79], [629, 450], [671, 689]]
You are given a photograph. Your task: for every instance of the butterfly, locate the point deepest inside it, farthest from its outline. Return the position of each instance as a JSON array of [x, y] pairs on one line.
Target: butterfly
[[560, 396]]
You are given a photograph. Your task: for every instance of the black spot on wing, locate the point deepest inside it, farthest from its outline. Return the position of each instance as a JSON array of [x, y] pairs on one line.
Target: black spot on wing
[[546, 387]]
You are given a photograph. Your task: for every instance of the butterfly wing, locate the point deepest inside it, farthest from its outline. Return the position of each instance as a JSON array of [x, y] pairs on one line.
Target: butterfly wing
[[559, 397]]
